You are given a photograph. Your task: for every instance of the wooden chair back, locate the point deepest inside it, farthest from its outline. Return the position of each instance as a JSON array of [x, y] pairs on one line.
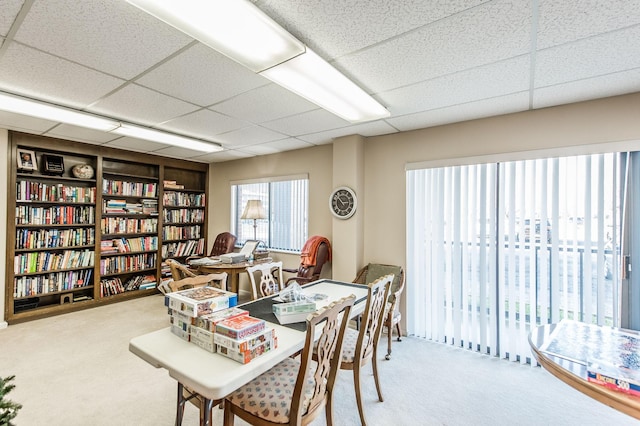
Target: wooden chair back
[[213, 280], [269, 280], [178, 270], [373, 318]]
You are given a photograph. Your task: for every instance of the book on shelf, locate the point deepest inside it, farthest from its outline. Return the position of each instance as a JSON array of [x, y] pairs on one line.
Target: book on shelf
[[240, 327], [171, 184], [245, 357], [200, 301]]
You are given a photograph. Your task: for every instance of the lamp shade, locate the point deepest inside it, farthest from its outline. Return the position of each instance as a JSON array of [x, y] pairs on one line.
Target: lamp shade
[[254, 210]]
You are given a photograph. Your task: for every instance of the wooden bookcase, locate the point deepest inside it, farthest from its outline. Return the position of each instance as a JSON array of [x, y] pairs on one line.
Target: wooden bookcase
[[78, 242]]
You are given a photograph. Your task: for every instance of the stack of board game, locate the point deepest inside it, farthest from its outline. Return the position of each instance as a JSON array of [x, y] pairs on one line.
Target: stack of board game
[[203, 327], [186, 305], [243, 338]]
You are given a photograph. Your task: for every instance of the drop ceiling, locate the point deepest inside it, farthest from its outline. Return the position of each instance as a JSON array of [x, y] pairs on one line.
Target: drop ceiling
[[428, 62]]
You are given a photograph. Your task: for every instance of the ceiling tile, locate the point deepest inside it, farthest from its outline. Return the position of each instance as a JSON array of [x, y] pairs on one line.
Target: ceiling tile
[[379, 127], [485, 108], [203, 124], [24, 123], [591, 88], [308, 122], [107, 35], [485, 34], [227, 155], [133, 144], [202, 76], [177, 152], [484, 82], [564, 21], [138, 104], [39, 75], [250, 135], [328, 26], [264, 104], [588, 58], [10, 9], [277, 146], [81, 134]]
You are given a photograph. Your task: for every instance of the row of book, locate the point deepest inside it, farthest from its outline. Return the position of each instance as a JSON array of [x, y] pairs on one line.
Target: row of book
[[113, 286], [44, 261], [55, 215], [172, 184], [183, 248], [183, 216], [181, 199], [54, 238], [181, 232], [136, 189], [128, 245], [208, 317], [120, 264], [124, 225], [38, 191], [53, 282]]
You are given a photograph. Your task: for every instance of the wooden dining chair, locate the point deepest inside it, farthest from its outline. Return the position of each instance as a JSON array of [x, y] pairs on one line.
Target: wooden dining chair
[[268, 282], [184, 278], [295, 391], [393, 319], [360, 347]]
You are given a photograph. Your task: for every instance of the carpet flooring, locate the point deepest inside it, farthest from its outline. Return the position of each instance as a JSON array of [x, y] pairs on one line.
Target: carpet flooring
[[76, 369]]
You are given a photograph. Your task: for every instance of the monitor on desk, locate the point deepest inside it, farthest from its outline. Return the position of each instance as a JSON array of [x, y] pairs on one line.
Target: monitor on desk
[[249, 247]]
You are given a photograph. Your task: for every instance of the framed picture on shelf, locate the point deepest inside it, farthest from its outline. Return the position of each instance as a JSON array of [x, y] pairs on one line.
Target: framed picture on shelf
[[27, 160]]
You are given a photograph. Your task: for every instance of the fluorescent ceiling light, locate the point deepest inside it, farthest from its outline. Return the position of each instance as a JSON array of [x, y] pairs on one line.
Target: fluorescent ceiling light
[[235, 28], [316, 80], [51, 112], [167, 138]]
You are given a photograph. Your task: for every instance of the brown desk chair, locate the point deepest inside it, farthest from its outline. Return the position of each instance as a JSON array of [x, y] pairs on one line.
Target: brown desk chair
[[370, 273], [300, 389], [361, 347], [315, 253], [225, 243], [269, 281]]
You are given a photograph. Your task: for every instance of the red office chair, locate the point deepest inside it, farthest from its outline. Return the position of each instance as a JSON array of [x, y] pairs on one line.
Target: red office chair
[[225, 243], [315, 253]]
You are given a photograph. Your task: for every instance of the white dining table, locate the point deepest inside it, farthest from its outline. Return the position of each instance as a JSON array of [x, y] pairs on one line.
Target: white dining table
[[214, 376]]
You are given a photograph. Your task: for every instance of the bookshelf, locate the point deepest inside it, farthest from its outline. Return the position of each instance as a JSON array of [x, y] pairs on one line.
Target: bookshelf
[[184, 212], [87, 224]]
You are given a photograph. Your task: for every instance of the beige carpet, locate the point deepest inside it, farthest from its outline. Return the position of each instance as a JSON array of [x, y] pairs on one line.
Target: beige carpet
[[76, 369]]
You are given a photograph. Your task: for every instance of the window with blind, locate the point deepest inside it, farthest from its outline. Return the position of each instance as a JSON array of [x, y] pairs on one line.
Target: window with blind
[[496, 249], [285, 201]]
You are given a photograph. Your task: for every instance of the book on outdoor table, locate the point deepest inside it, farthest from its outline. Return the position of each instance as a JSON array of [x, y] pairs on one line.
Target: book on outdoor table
[[246, 344], [240, 327], [246, 356], [209, 321], [200, 301]]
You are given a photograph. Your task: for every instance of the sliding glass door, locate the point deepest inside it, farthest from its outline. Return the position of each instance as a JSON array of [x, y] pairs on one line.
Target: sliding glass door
[[494, 249]]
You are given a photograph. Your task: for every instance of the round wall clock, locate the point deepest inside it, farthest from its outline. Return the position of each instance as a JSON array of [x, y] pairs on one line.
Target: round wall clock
[[343, 202]]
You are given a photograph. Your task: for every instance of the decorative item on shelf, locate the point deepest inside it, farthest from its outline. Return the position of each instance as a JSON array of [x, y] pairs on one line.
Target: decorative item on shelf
[[254, 210], [53, 164], [82, 171], [26, 160]]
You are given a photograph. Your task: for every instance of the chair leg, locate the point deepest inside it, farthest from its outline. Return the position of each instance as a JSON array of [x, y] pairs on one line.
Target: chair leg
[[356, 382], [399, 331], [374, 362], [328, 409], [389, 337], [228, 415]]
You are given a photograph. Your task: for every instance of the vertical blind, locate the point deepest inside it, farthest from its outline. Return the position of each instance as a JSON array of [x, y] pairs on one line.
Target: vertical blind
[[286, 204], [496, 249]]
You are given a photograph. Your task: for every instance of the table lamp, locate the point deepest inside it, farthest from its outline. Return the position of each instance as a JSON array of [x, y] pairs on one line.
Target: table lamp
[[254, 210]]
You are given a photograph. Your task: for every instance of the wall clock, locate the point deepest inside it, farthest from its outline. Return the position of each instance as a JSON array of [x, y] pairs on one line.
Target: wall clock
[[343, 202]]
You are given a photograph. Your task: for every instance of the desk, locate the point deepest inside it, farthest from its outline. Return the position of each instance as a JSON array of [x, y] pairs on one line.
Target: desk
[[233, 269], [567, 361], [214, 376]]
